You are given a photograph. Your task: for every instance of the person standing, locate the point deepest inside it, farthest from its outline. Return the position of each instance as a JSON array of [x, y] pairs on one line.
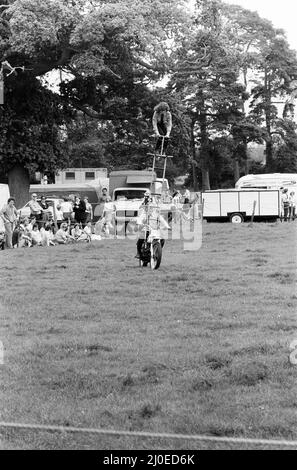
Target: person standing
[[79, 209], [9, 216], [44, 205], [67, 209], [292, 201], [104, 196], [36, 209], [89, 210], [102, 200], [162, 125], [285, 204], [59, 216]]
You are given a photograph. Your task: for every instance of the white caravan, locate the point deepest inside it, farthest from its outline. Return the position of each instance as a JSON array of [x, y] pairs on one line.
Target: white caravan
[[239, 205], [268, 181], [4, 194]]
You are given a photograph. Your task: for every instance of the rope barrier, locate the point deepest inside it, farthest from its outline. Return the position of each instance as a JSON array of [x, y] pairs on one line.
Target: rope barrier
[[71, 429]]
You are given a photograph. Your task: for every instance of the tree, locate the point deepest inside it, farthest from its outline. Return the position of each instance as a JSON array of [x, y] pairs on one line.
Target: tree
[[30, 134], [285, 160], [207, 77], [276, 69], [103, 44]]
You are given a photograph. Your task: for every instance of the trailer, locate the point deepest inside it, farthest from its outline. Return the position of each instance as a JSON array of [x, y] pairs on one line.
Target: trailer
[[268, 181], [4, 194], [238, 206]]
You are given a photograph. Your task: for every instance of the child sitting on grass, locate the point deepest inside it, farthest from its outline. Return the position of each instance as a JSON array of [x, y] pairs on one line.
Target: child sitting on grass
[[36, 236], [47, 235]]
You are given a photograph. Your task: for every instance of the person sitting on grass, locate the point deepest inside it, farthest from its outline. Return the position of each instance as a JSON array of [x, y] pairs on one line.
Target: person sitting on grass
[[88, 231], [62, 236], [29, 223], [36, 236], [47, 235], [78, 234], [25, 238], [2, 234]]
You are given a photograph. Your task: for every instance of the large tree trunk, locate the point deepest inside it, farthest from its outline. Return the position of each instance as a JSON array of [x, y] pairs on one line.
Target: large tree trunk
[[19, 185], [204, 152], [269, 156], [268, 121], [236, 170], [194, 161], [205, 179]]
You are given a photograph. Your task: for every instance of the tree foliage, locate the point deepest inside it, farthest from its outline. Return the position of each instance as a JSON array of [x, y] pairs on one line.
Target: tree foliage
[[226, 68]]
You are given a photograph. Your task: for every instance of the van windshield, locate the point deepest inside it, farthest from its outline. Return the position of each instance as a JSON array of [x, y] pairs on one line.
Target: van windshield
[[125, 194]]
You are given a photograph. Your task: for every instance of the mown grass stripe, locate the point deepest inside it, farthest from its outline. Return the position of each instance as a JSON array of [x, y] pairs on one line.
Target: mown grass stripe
[[113, 432]]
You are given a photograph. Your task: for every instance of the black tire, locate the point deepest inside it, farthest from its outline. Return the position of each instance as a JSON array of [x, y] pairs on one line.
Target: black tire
[[236, 218], [157, 255]]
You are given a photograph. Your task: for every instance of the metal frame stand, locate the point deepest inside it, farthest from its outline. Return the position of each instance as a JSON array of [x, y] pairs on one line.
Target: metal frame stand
[[163, 168]]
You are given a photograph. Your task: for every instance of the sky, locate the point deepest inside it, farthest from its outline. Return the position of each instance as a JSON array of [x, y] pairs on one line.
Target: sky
[[282, 13]]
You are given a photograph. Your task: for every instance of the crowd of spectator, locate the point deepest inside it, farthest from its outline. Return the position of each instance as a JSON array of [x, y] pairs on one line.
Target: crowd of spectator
[[69, 222]]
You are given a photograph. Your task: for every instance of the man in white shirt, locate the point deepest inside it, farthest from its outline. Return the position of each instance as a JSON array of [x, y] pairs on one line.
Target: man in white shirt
[[107, 220], [149, 214], [67, 209], [35, 208]]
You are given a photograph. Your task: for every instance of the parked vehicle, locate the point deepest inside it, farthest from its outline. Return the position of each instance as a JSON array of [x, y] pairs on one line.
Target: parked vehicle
[[4, 194], [238, 205], [52, 202], [268, 181], [127, 189], [135, 179], [59, 191]]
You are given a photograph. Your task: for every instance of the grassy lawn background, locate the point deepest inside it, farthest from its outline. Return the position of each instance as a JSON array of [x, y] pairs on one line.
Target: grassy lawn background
[[199, 346]]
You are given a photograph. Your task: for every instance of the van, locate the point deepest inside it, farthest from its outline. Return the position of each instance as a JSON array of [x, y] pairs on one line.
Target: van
[[4, 194], [60, 191], [25, 211]]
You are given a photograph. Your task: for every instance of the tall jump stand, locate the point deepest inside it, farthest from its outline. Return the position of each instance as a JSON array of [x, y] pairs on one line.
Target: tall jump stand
[[157, 156]]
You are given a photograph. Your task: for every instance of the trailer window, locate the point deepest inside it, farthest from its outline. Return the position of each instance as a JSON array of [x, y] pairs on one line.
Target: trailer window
[[89, 175], [70, 175]]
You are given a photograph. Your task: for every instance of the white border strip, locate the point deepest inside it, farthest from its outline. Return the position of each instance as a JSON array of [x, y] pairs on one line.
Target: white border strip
[[71, 429]]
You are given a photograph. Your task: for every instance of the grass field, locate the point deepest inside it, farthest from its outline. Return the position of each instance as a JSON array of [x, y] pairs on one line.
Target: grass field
[[200, 346]]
